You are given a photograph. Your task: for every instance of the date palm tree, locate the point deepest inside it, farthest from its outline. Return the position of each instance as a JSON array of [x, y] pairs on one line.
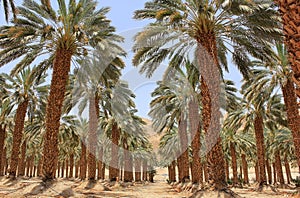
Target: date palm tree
[[39, 31], [185, 27], [276, 75], [96, 75], [26, 90]]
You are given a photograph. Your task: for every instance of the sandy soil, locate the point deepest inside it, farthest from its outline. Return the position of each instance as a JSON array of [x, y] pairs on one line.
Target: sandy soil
[[33, 187]]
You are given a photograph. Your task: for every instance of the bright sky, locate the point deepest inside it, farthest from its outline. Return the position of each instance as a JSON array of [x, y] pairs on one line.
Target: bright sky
[[121, 16]]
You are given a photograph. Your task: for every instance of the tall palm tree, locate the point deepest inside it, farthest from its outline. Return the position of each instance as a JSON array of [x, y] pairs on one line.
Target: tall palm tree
[[276, 75], [97, 74], [169, 146], [168, 109], [202, 28], [66, 34], [26, 90]]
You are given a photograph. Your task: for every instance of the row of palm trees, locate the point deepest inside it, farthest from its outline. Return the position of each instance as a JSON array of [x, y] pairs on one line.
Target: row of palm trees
[[77, 33], [202, 34], [21, 147], [195, 36], [255, 130]]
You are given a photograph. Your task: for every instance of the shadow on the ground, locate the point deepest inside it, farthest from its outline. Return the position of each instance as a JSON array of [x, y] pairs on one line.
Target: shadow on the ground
[[39, 189]]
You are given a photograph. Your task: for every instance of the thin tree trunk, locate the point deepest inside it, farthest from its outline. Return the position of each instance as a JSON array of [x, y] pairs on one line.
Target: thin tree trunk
[[60, 77], [71, 165], [195, 129], [269, 171], [63, 169], [39, 168], [83, 166], [2, 149], [259, 136], [76, 169], [100, 162], [128, 172], [17, 136], [27, 166], [245, 168], [293, 116], [172, 173], [279, 167], [234, 163], [137, 168], [184, 148], [179, 167], [31, 166], [67, 168], [92, 139], [227, 170], [58, 169], [103, 170], [205, 172], [287, 170], [114, 162], [145, 170], [274, 173]]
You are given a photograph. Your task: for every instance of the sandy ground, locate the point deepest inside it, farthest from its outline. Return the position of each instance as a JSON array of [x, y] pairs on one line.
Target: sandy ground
[[25, 187]]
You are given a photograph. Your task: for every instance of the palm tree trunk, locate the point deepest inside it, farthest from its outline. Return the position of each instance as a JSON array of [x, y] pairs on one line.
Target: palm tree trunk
[[100, 162], [92, 139], [259, 136], [76, 169], [287, 170], [205, 170], [234, 163], [279, 167], [245, 169], [208, 65], [137, 168], [256, 172], [197, 176], [31, 166], [293, 116], [173, 171], [67, 168], [58, 168], [17, 136], [145, 167], [274, 173], [83, 166], [227, 170], [269, 171], [39, 168], [103, 170], [2, 149], [71, 165], [128, 172], [114, 162], [60, 77], [21, 163], [184, 149], [290, 17]]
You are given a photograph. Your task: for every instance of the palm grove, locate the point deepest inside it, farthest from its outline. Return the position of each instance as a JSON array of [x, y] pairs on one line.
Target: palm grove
[[77, 43]]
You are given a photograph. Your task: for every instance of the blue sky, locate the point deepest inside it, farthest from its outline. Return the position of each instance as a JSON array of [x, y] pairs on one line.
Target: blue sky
[[121, 16]]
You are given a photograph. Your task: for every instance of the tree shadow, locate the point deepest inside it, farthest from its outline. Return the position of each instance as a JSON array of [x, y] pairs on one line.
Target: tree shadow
[[39, 189], [91, 184]]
